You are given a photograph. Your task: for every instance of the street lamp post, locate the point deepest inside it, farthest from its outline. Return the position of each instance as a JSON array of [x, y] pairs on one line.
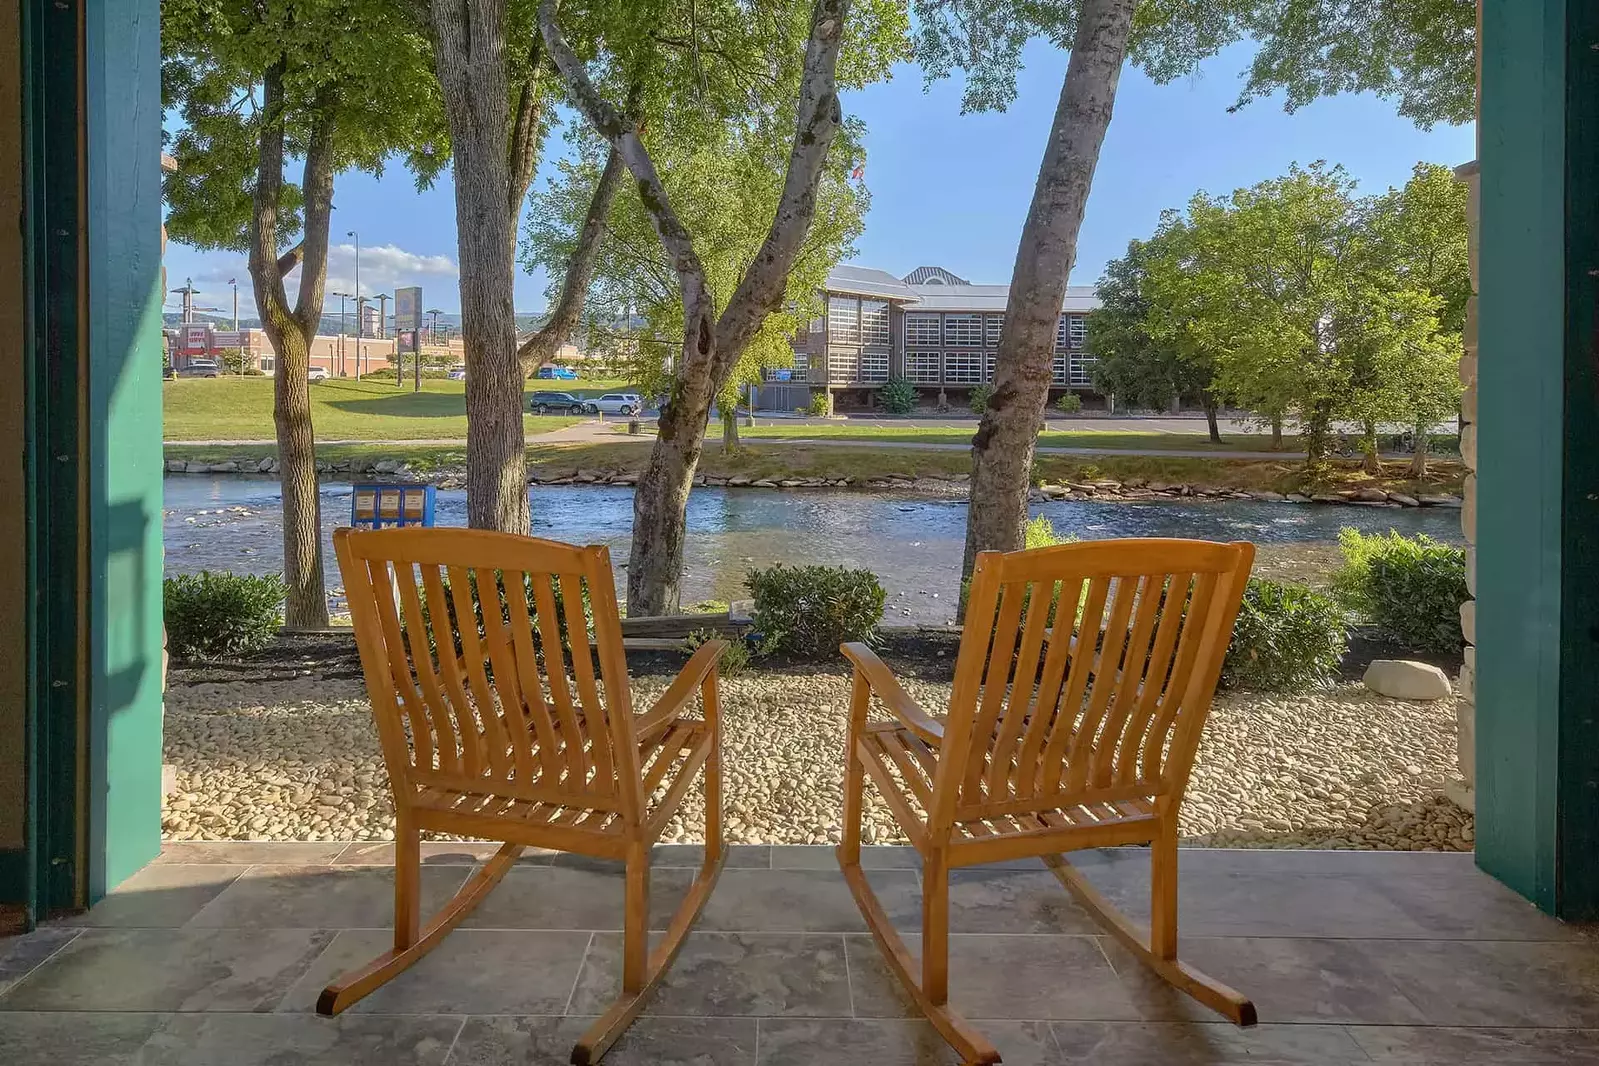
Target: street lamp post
[[342, 297], [435, 312], [359, 369]]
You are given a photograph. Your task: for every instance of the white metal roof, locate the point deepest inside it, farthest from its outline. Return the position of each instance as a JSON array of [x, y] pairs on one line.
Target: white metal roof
[[865, 281]]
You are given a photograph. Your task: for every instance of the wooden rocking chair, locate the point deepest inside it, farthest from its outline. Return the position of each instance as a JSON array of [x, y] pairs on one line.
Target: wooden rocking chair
[[494, 725], [1083, 681]]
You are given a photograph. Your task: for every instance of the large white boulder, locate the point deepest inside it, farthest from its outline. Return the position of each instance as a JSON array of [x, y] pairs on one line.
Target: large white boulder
[[1406, 679]]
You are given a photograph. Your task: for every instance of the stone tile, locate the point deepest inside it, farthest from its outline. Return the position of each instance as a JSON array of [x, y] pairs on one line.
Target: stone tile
[[825, 857], [473, 971], [436, 853], [19, 955], [801, 901], [1289, 980], [670, 856], [76, 1039], [1207, 1044], [1440, 1046], [730, 975], [796, 1042], [563, 897], [250, 852], [647, 1042], [1495, 983], [304, 1040], [1019, 977], [326, 897], [1464, 903], [1223, 901], [160, 897], [170, 970], [1010, 900]]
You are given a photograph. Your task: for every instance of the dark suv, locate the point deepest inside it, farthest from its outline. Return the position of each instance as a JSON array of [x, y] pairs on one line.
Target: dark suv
[[542, 403]]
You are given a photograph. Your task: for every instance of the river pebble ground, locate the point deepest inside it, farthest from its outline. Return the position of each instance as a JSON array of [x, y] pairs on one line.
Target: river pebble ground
[[298, 759]]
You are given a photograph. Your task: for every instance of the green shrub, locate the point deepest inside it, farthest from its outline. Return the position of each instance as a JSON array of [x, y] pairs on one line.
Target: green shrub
[[1040, 533], [1069, 403], [1411, 588], [1286, 637], [808, 611], [735, 658], [979, 397], [898, 397], [818, 405], [211, 615]]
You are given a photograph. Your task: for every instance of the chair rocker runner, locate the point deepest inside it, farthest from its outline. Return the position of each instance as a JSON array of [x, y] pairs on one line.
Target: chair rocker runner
[[495, 724], [1082, 684]]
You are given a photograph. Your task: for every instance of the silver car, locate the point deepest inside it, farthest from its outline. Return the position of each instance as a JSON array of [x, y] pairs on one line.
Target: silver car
[[200, 368], [620, 403]]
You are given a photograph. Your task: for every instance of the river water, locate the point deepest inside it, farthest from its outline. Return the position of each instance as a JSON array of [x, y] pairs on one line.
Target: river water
[[912, 543]]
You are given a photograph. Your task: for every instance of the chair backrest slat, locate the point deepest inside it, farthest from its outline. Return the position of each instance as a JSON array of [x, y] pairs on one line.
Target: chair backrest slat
[[1173, 607], [481, 668], [546, 733], [1041, 712], [1091, 707], [419, 652]]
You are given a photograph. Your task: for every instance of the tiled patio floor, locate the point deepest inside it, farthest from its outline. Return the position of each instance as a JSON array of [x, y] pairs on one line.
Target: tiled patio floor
[[216, 953]]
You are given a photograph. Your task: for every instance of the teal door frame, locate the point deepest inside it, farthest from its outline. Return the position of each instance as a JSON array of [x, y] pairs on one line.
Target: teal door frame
[[1537, 613], [92, 275]]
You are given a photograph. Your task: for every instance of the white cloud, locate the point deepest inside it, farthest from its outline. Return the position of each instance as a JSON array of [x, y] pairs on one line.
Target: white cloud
[[383, 268]]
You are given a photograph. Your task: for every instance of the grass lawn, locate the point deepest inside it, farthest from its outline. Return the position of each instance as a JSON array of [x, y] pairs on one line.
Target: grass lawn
[[341, 409], [1083, 438]]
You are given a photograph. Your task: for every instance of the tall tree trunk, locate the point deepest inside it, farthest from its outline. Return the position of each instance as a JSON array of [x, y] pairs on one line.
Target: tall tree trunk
[[729, 425], [1002, 449], [306, 604], [1370, 462], [541, 347], [1418, 460], [469, 54], [1276, 433], [1318, 430], [1210, 421], [711, 345]]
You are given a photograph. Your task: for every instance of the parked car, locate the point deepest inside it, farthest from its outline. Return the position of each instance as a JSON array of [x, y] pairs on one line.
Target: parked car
[[457, 373], [620, 403], [542, 403], [200, 368], [317, 373], [554, 373]]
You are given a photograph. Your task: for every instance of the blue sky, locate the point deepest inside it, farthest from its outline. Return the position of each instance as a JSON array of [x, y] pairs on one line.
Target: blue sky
[[947, 189]]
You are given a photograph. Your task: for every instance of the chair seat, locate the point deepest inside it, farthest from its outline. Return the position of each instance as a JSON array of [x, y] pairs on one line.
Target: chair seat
[[436, 805], [915, 763]]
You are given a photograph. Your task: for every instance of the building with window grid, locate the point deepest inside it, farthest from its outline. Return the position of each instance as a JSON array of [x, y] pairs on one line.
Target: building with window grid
[[931, 327]]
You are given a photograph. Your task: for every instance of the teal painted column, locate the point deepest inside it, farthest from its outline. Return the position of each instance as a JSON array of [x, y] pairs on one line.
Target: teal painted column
[[122, 49], [1537, 610]]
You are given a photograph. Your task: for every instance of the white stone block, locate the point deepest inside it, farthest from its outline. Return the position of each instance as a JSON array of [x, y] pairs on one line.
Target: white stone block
[[1468, 445], [1468, 404], [1468, 370], [1468, 620], [1406, 679], [1471, 570]]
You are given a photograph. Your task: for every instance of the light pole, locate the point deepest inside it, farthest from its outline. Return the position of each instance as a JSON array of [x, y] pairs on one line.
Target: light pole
[[235, 283], [435, 312], [358, 323], [342, 297]]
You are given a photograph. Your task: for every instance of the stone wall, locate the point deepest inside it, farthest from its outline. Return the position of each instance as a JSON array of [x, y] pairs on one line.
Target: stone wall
[[1463, 792]]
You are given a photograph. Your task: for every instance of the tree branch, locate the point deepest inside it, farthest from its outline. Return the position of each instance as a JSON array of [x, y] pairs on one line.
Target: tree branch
[[541, 347], [760, 291], [317, 185], [291, 258], [616, 128], [524, 149], [271, 300]]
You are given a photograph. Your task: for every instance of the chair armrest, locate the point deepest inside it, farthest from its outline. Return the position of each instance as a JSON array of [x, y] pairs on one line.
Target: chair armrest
[[699, 666], [892, 693]]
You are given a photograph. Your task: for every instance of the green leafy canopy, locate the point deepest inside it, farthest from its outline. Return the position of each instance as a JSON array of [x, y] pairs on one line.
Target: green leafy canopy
[[1418, 52]]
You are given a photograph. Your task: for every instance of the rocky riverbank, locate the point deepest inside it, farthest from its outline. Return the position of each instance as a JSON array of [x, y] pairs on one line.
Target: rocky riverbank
[[287, 751], [946, 485]]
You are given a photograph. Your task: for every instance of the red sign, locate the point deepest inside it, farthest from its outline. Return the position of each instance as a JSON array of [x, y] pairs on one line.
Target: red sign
[[196, 340]]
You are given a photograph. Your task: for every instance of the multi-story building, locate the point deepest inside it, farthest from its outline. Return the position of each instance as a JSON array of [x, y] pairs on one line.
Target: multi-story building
[[934, 329]]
